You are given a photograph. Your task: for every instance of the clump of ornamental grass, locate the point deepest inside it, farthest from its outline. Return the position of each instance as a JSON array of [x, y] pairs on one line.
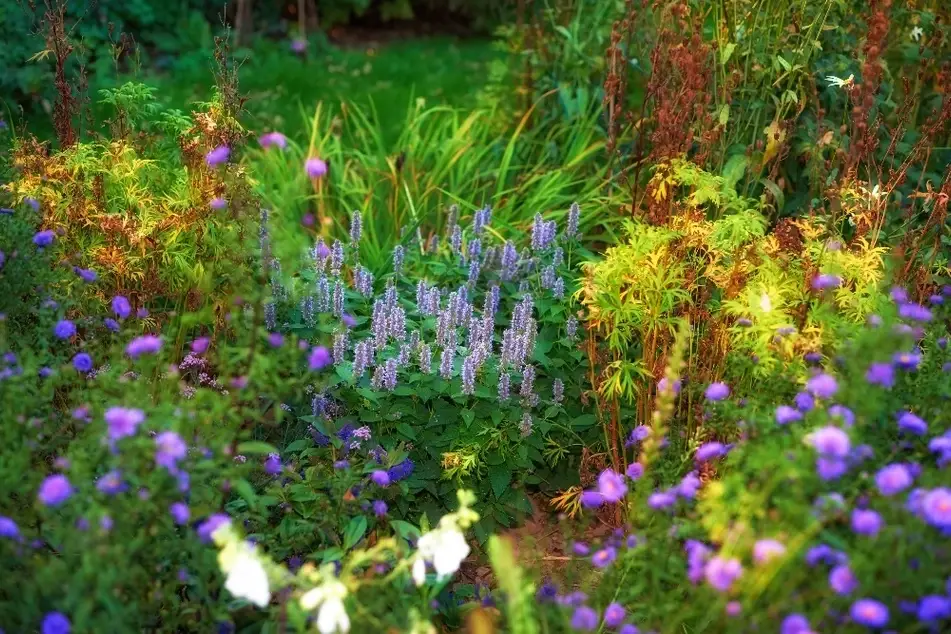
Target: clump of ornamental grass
[[828, 512]]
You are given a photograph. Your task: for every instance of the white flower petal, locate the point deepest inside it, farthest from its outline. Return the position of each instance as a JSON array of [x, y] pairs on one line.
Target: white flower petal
[[419, 571], [332, 617], [247, 580]]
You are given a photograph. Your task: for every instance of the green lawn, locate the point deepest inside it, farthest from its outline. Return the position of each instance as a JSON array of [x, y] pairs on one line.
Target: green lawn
[[282, 87]]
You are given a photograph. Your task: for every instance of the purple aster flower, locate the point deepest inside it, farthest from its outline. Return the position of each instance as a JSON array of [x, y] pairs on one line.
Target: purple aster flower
[[55, 490], [804, 402], [111, 483], [272, 465], [717, 391], [934, 608], [664, 384], [908, 360], [767, 549], [831, 468], [275, 339], [786, 414], [592, 499], [200, 345], [795, 624], [319, 358], [709, 451], [689, 486], [146, 344], [866, 522], [842, 413], [218, 156], [9, 528], [831, 441], [273, 139], [380, 478], [87, 275], [628, 628], [64, 329], [842, 581], [721, 572], [936, 507], [869, 612], [55, 623], [611, 486], [169, 449], [733, 608], [639, 433], [207, 528], [826, 281], [936, 300], [614, 615], [123, 421], [898, 294], [380, 508], [342, 464], [584, 619], [822, 386], [882, 374], [893, 479], [912, 424], [179, 512], [218, 203], [44, 238], [315, 167], [635, 471], [661, 500], [603, 557], [914, 312], [121, 307], [82, 362], [111, 324]]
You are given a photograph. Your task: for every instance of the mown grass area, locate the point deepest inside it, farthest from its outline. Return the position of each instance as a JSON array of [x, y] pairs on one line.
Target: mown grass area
[[282, 87]]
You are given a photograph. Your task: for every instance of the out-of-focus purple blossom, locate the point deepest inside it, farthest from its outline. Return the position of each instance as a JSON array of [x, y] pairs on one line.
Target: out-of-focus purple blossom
[[831, 468], [169, 449], [55, 490], [44, 238], [574, 215], [179, 512], [688, 486], [936, 507], [826, 281], [634, 471], [319, 358], [64, 329], [786, 414], [273, 139], [842, 580], [660, 500], [123, 421], [207, 528], [893, 479], [591, 499], [217, 156], [315, 168], [611, 486], [822, 386], [584, 619], [869, 612], [866, 522], [146, 344], [908, 360], [721, 572], [717, 391], [842, 413], [915, 312], [766, 550], [218, 203], [804, 402], [911, 423], [831, 442], [380, 478], [603, 557], [82, 362]]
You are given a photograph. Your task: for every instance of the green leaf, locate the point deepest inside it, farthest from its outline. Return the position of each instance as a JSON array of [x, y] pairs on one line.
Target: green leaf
[[734, 169], [584, 421], [406, 430], [727, 53], [354, 531], [404, 529], [499, 476], [254, 447], [300, 444]]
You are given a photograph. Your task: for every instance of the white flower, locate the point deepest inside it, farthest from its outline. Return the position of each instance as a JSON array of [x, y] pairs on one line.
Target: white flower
[[916, 33], [445, 548], [840, 83], [247, 578], [332, 616]]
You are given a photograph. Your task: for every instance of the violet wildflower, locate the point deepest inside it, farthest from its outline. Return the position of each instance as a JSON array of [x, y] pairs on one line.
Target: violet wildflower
[[893, 479], [689, 486], [200, 345], [526, 424], [842, 413], [169, 449], [55, 490], [315, 167], [356, 227], [914, 312], [733, 608], [9, 528], [123, 421], [55, 623], [580, 548], [574, 215], [319, 358], [87, 275], [795, 624], [614, 615], [831, 441], [558, 391], [934, 608], [44, 238], [634, 471], [912, 424], [936, 507], [584, 619], [661, 500], [592, 499], [64, 329], [826, 281], [218, 156], [720, 572], [628, 628], [767, 549], [207, 528], [273, 139], [82, 362], [639, 433], [866, 522], [908, 360], [936, 300], [380, 508], [898, 295], [611, 486], [111, 483], [380, 478], [822, 386], [121, 307], [697, 556], [786, 414], [603, 557], [842, 581], [804, 402], [709, 451], [717, 391], [146, 344], [869, 612], [179, 512], [831, 468], [111, 324]]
